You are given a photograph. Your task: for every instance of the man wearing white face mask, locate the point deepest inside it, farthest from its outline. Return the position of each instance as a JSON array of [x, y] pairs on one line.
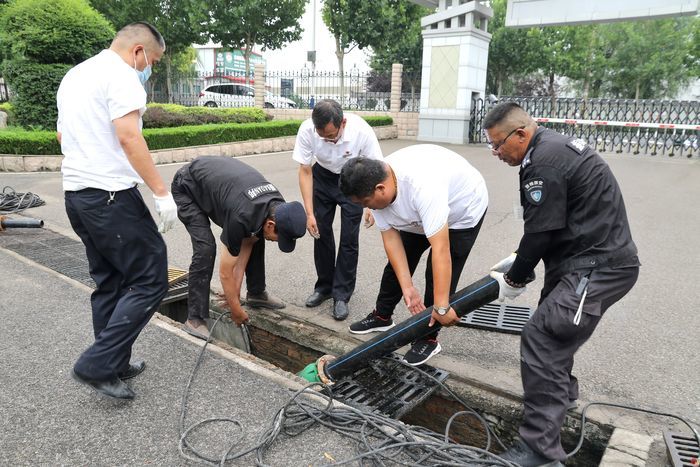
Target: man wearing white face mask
[[100, 104]]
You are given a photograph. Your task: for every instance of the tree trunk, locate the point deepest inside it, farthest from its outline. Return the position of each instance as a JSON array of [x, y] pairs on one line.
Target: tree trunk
[[552, 94], [246, 57], [340, 55], [636, 91], [499, 85], [168, 78]]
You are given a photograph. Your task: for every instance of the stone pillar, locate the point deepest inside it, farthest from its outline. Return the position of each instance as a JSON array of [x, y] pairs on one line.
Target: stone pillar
[[396, 79], [259, 85], [455, 58]]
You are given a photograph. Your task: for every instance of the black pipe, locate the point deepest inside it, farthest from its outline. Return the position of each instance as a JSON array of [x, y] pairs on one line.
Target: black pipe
[[464, 301], [26, 223]]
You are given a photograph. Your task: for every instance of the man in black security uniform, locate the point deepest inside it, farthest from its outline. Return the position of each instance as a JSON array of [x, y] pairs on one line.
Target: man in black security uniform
[[575, 221], [249, 209]]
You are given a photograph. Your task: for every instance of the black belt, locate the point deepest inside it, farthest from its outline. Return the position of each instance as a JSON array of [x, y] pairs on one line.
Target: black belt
[[613, 259]]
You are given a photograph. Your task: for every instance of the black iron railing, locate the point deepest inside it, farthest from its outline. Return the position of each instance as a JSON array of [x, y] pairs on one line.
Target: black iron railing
[[611, 125]]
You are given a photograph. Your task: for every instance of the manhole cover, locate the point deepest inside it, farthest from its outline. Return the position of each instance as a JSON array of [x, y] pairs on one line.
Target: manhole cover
[[682, 448], [387, 386], [498, 317]]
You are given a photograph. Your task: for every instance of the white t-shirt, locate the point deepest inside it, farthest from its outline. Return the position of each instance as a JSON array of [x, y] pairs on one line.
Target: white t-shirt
[[358, 139], [435, 186], [92, 95]]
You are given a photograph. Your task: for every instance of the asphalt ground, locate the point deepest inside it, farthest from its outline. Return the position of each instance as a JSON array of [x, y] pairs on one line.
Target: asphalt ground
[[644, 353]]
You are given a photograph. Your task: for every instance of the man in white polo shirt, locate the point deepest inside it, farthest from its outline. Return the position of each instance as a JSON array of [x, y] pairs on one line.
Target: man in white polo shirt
[[100, 104], [422, 197], [332, 138]]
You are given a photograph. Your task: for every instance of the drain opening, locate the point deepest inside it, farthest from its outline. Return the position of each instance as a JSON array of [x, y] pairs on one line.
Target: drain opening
[[387, 386], [682, 448]]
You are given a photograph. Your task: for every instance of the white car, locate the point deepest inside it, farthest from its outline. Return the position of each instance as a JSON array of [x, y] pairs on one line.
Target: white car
[[240, 95]]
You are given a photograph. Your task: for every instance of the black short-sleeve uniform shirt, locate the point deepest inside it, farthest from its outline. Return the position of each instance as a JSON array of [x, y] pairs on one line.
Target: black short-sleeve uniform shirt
[[568, 189], [235, 196]]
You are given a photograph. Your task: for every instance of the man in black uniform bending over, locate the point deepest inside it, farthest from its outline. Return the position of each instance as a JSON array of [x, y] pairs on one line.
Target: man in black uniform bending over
[[575, 221], [249, 209]]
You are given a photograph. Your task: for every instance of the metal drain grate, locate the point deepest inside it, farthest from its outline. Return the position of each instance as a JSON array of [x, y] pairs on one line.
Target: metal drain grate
[[388, 386], [498, 317], [54, 251], [67, 257], [682, 448]]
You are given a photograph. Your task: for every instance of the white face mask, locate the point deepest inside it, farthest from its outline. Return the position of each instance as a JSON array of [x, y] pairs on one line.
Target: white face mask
[[146, 73]]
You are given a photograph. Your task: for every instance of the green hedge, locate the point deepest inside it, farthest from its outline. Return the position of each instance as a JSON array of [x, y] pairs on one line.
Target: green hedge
[[174, 115], [19, 142], [34, 86]]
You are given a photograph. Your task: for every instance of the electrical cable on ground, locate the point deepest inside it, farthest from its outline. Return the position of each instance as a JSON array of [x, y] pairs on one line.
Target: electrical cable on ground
[[12, 202], [380, 440]]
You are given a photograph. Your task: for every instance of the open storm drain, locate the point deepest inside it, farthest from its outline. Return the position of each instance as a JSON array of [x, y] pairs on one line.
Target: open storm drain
[[387, 386], [498, 317], [682, 448]]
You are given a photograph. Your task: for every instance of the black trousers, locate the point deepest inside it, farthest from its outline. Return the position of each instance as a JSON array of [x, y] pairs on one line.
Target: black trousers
[[129, 264], [335, 276], [390, 293], [548, 344], [204, 251]]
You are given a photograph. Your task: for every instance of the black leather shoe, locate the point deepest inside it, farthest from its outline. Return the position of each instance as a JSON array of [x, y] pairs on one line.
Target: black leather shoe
[[316, 298], [135, 368], [340, 310], [522, 454], [114, 388]]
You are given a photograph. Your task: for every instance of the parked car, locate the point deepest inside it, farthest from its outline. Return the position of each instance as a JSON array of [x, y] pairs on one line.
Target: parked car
[[240, 95]]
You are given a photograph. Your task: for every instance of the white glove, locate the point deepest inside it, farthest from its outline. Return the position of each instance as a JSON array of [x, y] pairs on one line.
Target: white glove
[[505, 264], [505, 290], [167, 211]]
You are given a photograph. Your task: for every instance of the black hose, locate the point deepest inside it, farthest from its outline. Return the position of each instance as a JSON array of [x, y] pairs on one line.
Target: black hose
[[464, 301], [27, 223]]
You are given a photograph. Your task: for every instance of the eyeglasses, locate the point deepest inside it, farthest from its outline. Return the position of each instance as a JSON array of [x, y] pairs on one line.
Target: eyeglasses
[[496, 147], [335, 138]]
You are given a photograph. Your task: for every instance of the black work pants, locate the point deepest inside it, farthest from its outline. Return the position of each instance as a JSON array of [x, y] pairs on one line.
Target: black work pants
[[335, 276], [390, 293], [204, 251], [548, 344], [129, 264]]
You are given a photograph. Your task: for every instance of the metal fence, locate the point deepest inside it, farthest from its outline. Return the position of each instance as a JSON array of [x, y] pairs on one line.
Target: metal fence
[[354, 90], [611, 125], [192, 89]]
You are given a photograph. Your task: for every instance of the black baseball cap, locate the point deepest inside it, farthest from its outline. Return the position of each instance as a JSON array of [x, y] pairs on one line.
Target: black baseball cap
[[290, 219]]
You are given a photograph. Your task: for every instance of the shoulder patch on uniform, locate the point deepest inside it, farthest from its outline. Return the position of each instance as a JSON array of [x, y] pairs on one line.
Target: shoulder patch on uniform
[[578, 145], [255, 191], [534, 190]]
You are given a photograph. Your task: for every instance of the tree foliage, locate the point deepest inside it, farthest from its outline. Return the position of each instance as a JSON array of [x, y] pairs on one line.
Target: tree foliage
[[241, 24], [65, 31], [401, 20], [510, 52], [180, 22], [635, 59], [41, 41]]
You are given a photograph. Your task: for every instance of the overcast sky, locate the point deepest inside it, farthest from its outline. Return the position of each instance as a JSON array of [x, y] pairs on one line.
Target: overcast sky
[[293, 55]]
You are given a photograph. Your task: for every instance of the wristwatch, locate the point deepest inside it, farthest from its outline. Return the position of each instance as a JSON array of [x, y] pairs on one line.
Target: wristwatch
[[441, 310]]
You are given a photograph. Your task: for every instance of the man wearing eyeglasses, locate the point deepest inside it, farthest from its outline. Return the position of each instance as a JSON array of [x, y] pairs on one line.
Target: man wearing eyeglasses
[[331, 138], [576, 223]]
